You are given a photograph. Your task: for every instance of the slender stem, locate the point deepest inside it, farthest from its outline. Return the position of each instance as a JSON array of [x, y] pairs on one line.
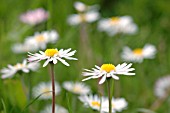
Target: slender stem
[[109, 96], [30, 87], [53, 87]]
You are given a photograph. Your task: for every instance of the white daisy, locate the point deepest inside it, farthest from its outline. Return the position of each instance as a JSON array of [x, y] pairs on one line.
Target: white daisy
[[88, 17], [137, 55], [116, 25], [108, 71], [58, 109], [76, 87], [52, 55], [162, 86], [45, 88], [10, 71]]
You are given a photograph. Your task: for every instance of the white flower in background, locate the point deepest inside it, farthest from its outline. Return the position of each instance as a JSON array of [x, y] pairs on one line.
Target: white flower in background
[[108, 71], [118, 104], [116, 25], [88, 17], [25, 67], [76, 87], [58, 109], [52, 55], [162, 86], [81, 7], [45, 88], [34, 17], [36, 42], [139, 54]]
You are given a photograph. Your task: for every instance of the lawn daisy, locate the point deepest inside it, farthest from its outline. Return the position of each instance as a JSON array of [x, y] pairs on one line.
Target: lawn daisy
[[45, 89], [52, 55], [58, 109], [88, 17], [77, 87], [34, 17], [25, 67], [137, 55], [116, 25], [162, 87], [108, 71]]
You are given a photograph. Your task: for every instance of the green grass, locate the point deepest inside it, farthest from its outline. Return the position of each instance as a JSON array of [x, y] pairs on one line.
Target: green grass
[[152, 18]]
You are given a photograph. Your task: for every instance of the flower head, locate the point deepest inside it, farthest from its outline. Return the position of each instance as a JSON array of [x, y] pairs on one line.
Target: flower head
[[77, 87], [34, 17], [137, 55], [25, 67], [52, 55], [115, 25], [108, 71], [58, 109], [162, 86], [45, 89]]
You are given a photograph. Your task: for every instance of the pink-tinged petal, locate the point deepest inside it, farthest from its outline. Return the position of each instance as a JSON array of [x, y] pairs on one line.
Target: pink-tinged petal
[[46, 62]]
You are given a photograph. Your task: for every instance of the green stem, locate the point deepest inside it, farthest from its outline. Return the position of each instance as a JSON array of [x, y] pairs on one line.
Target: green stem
[[30, 87], [53, 87], [109, 95]]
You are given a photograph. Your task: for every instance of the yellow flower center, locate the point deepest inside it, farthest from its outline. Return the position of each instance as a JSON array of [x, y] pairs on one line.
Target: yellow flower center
[[95, 103], [138, 51], [18, 66], [76, 89], [115, 20], [46, 91], [51, 52], [108, 67], [40, 38], [83, 17]]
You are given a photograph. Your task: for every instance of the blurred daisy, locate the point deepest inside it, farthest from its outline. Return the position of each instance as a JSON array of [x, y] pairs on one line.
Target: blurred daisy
[[88, 17], [108, 71], [81, 7], [45, 89], [10, 71], [162, 87], [137, 55], [77, 87], [116, 25], [52, 55], [58, 109], [34, 17]]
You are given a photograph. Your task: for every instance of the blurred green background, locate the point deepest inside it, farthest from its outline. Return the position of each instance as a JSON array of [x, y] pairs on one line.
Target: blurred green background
[[152, 18]]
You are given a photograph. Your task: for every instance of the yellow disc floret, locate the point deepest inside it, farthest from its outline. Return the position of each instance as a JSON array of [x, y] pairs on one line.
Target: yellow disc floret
[[138, 51], [95, 103], [115, 20], [40, 38], [51, 52], [108, 67]]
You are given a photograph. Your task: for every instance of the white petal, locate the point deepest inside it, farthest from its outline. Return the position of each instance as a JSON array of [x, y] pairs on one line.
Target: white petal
[[103, 79]]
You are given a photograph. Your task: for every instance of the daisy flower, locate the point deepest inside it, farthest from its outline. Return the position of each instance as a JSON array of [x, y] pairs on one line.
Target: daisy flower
[[77, 87], [162, 86], [88, 17], [52, 55], [116, 25], [108, 71], [58, 109], [139, 54], [34, 17], [25, 67], [44, 88]]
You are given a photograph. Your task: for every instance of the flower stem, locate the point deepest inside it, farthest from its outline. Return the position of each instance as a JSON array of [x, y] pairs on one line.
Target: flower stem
[[53, 87], [109, 95], [30, 87]]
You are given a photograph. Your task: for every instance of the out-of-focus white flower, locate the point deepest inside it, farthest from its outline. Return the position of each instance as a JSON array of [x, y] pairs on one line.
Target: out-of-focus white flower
[[108, 71], [77, 87], [88, 17], [34, 17], [162, 86], [10, 71], [58, 109], [81, 7], [116, 25], [36, 42], [52, 55], [139, 54], [45, 88], [96, 102]]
